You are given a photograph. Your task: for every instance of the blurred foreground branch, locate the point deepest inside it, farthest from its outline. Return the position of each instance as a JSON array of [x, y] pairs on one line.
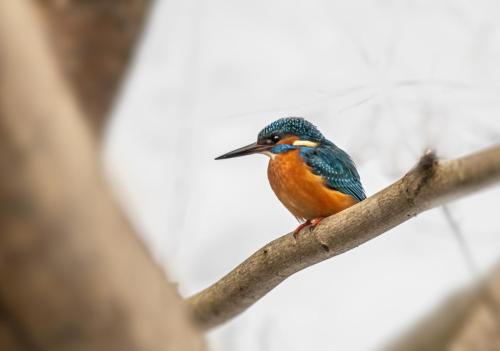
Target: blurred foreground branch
[[73, 276], [431, 183], [94, 42], [467, 321]]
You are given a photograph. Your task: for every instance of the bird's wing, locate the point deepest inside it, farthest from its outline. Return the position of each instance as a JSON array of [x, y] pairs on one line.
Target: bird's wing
[[336, 167]]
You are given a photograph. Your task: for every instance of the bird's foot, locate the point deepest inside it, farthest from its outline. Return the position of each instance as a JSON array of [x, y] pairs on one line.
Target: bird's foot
[[312, 223], [299, 228], [315, 222]]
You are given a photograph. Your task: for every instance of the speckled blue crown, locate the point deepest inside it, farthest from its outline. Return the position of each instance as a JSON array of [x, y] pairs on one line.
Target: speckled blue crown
[[292, 126]]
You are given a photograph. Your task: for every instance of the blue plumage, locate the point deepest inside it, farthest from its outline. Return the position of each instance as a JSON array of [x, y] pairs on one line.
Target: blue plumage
[[281, 148], [292, 126], [336, 167], [326, 160]]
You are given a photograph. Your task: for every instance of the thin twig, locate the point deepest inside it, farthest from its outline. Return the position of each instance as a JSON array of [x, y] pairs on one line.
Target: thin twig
[[462, 243]]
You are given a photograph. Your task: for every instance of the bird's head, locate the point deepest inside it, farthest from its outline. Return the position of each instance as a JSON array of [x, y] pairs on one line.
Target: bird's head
[[280, 136]]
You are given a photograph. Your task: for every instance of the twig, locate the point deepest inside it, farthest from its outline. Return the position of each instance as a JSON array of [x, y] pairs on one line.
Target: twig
[[462, 244]]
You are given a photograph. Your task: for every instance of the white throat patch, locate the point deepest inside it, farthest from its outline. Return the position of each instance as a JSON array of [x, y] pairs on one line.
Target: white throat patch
[[270, 154]]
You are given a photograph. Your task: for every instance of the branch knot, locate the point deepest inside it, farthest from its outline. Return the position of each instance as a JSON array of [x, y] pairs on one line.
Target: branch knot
[[418, 177]]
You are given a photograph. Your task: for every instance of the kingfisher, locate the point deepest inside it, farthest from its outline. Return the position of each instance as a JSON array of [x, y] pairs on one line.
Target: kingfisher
[[310, 175]]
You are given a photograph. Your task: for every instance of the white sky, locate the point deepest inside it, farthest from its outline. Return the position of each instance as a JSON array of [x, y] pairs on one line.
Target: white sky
[[382, 79]]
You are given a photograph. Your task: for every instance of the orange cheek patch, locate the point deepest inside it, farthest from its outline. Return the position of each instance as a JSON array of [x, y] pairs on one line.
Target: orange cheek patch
[[288, 140]]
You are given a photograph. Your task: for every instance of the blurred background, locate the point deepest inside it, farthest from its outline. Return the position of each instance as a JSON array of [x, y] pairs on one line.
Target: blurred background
[[382, 79]]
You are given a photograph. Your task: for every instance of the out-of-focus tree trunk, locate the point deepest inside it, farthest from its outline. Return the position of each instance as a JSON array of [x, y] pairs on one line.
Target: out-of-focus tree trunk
[[73, 276], [94, 42]]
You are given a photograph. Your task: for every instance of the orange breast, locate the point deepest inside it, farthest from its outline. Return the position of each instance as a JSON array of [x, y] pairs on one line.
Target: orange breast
[[303, 193]]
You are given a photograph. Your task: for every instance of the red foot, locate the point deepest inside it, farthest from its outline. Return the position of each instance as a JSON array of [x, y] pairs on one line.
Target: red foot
[[300, 227], [316, 221], [310, 222]]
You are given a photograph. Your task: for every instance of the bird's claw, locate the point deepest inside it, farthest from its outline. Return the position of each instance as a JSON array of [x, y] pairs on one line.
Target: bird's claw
[[312, 223], [299, 228]]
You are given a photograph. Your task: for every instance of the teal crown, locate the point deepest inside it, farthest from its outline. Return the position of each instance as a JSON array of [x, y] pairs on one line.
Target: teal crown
[[291, 126]]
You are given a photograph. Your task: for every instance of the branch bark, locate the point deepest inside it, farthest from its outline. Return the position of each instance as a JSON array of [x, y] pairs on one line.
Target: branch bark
[[431, 183], [73, 275], [94, 42]]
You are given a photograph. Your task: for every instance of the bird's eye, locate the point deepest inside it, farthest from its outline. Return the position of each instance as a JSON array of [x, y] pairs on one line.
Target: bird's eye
[[275, 138]]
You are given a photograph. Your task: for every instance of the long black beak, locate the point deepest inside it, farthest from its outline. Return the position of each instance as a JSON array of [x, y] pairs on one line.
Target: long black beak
[[246, 150]]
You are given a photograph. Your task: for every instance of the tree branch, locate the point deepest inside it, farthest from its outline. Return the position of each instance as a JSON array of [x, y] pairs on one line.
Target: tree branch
[[94, 41], [73, 276], [431, 183]]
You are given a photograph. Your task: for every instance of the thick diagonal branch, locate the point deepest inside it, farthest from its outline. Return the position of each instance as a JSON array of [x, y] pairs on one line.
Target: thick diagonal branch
[[431, 183]]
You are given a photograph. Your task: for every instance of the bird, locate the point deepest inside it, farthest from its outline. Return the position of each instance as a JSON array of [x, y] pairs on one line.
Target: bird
[[311, 176]]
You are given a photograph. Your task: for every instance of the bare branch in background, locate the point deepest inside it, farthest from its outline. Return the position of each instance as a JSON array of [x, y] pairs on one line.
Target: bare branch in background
[[73, 274], [94, 41], [431, 183]]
